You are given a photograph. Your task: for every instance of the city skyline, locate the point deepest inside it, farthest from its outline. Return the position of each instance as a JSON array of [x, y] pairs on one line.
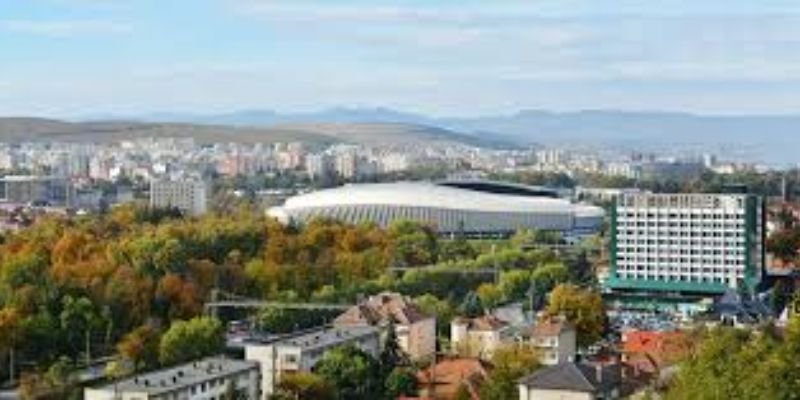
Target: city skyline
[[72, 58]]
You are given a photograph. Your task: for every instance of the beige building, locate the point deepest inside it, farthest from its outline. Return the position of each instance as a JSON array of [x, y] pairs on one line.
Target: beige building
[[478, 337], [303, 352], [188, 195], [416, 331], [210, 378], [556, 339]]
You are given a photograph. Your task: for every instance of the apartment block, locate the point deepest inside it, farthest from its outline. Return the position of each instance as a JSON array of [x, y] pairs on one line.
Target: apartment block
[[693, 243]]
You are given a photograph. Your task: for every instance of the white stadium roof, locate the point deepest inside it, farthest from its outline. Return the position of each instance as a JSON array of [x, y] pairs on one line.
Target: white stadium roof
[[427, 194]]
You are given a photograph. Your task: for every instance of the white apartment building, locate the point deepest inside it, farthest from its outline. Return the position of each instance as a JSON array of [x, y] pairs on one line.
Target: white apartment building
[[188, 195], [207, 379], [702, 243], [303, 352], [320, 167]]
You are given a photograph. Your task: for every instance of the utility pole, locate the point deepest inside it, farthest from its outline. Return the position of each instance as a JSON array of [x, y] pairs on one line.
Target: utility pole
[[496, 269]]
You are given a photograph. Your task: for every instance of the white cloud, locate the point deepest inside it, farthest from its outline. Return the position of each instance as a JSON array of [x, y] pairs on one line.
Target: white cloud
[[66, 28]]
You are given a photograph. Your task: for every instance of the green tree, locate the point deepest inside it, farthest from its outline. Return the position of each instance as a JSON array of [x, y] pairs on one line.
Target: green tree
[[511, 363], [400, 382], [514, 284], [189, 340], [80, 317], [413, 243], [353, 373], [443, 310], [471, 307], [490, 295]]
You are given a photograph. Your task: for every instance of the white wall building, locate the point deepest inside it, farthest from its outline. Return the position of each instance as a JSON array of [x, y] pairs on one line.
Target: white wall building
[[303, 352], [207, 379], [188, 195], [705, 243]]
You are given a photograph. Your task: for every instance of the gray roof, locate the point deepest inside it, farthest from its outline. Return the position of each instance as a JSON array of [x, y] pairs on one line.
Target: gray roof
[[181, 376], [573, 377], [326, 337]]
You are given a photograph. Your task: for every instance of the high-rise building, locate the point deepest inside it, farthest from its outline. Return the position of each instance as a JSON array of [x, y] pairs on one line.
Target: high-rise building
[[319, 167], [188, 195], [37, 189], [687, 243]]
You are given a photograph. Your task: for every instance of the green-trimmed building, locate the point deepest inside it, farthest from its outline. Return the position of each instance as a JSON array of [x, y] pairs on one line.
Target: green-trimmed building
[[686, 243]]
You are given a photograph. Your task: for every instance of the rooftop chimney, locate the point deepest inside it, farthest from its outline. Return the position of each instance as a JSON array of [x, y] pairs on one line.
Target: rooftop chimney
[[598, 369]]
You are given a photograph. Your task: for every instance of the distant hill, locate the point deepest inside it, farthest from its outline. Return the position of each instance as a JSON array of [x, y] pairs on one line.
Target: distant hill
[[765, 138], [34, 129]]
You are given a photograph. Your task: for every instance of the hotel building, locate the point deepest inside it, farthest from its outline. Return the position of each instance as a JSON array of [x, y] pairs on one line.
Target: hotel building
[[686, 243]]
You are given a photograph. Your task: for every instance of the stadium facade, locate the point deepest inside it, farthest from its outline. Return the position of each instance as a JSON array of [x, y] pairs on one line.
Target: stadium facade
[[472, 208]]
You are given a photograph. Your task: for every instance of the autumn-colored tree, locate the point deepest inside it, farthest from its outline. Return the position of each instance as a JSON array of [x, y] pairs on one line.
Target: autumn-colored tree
[[140, 347], [582, 307], [10, 320], [304, 386], [183, 298]]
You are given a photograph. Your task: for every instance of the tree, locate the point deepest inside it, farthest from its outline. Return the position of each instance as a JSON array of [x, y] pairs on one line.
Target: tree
[[10, 320], [304, 386], [547, 276], [189, 340], [80, 317], [353, 373], [514, 284], [583, 308], [511, 362], [456, 249], [442, 309], [413, 243], [392, 356], [400, 382], [471, 307], [490, 295], [140, 347]]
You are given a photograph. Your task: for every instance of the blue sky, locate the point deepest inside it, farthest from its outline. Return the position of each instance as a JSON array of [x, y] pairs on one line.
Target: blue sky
[[445, 57]]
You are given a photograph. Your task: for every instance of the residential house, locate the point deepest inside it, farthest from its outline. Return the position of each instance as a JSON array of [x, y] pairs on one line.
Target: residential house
[[572, 381], [556, 339], [416, 331], [649, 352], [478, 337], [447, 377]]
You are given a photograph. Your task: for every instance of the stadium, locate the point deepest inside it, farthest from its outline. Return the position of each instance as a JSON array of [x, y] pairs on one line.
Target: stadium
[[472, 208]]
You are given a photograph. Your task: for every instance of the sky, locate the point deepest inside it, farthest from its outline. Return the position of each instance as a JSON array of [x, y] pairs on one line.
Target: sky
[[66, 58]]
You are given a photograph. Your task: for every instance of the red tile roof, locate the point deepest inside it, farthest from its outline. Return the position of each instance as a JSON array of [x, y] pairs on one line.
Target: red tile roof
[[382, 308], [550, 327], [448, 375], [652, 350], [485, 323]]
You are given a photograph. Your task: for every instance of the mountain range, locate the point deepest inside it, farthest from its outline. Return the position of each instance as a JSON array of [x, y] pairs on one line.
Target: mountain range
[[761, 138], [765, 138]]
